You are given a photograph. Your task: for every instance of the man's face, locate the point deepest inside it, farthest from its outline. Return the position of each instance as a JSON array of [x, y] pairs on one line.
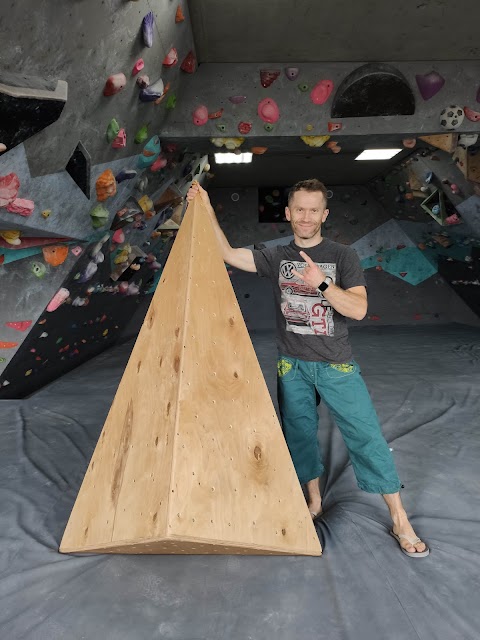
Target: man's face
[[307, 213]]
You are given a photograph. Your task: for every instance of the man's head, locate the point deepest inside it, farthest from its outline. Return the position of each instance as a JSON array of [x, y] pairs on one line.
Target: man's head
[[307, 209]]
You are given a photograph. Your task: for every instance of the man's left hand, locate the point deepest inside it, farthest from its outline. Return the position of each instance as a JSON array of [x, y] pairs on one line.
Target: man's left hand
[[312, 274]]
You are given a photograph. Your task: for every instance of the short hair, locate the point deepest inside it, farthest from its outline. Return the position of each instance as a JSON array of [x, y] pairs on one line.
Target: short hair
[[308, 185]]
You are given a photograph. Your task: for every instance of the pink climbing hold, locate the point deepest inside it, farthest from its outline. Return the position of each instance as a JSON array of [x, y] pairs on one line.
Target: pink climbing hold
[[200, 115], [159, 163], [138, 66], [120, 140], [58, 299], [9, 186], [76, 251], [143, 81], [114, 84], [171, 58], [268, 110], [118, 237], [22, 325], [470, 114], [321, 91], [21, 206]]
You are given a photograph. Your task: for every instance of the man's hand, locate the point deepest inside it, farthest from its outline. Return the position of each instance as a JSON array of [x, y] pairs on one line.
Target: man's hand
[[196, 189], [312, 274]]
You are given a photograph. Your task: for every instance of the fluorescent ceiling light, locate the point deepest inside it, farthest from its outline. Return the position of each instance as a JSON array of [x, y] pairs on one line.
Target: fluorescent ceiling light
[[378, 154], [233, 158]]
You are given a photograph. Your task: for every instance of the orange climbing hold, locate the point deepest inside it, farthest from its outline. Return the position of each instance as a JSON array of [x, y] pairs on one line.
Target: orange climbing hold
[[106, 185], [55, 255], [179, 17], [8, 345]]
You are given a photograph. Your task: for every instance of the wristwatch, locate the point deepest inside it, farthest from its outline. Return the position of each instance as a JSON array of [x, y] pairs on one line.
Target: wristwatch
[[324, 285]]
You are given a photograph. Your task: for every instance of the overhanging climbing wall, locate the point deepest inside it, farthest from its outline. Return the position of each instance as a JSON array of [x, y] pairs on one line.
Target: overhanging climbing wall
[[191, 458]]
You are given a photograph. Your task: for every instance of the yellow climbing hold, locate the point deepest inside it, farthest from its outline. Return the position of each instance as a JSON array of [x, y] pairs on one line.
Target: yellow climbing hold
[[315, 141]]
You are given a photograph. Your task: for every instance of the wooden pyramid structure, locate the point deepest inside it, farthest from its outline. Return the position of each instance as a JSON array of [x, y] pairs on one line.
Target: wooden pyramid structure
[[191, 458]]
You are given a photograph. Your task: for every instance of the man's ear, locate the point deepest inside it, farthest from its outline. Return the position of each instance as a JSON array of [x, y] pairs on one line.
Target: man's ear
[[325, 214], [287, 213]]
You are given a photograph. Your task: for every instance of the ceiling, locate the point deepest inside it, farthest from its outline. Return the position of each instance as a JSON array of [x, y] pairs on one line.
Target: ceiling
[[330, 31], [335, 30]]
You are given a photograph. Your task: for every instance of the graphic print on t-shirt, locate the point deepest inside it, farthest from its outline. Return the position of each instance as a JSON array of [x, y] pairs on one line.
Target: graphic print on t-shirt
[[304, 308]]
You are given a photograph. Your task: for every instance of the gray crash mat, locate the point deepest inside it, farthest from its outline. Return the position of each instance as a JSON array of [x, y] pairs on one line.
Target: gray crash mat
[[425, 384]]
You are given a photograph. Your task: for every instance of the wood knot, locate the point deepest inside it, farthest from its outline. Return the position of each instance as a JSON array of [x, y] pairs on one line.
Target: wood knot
[[177, 331], [284, 532], [257, 453], [231, 321], [235, 374]]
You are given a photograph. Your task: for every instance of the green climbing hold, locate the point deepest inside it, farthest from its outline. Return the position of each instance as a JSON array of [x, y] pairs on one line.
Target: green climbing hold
[[142, 134], [38, 269], [303, 87], [171, 101], [221, 127], [112, 130], [268, 127], [99, 216]]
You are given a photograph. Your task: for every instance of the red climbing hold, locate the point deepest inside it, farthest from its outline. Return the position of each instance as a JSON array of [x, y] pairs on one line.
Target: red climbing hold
[[189, 64], [22, 325], [244, 127], [403, 273], [267, 76]]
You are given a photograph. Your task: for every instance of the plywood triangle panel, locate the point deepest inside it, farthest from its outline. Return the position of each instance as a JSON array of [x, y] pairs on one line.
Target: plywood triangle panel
[[444, 141], [191, 458]]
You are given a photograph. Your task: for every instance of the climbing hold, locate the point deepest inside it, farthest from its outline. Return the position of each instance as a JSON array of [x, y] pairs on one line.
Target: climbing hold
[[118, 237], [150, 153], [112, 130], [114, 84], [215, 114], [145, 203], [105, 185], [9, 186], [429, 84], [428, 177], [21, 325], [76, 251], [58, 299], [334, 146], [409, 143], [38, 269], [268, 76], [143, 81], [121, 140], [138, 66], [21, 206], [55, 256], [171, 101], [230, 143], [451, 117], [268, 126], [46, 213], [334, 126], [268, 110], [292, 72], [258, 151], [470, 114], [152, 92], [171, 58], [8, 345], [99, 216], [303, 87], [89, 271], [147, 29], [159, 163], [309, 127], [141, 135], [200, 115], [221, 127], [189, 64], [3, 147], [179, 17], [125, 174], [314, 141], [237, 99], [244, 127], [321, 91]]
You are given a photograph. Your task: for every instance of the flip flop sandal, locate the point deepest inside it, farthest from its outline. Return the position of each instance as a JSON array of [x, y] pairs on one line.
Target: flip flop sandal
[[315, 516], [412, 541]]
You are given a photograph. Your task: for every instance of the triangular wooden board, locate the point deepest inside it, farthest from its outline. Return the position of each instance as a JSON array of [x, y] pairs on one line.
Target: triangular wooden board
[[444, 141], [192, 458]]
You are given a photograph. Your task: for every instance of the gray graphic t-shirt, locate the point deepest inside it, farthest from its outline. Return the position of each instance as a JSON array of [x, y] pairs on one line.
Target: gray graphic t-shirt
[[307, 326]]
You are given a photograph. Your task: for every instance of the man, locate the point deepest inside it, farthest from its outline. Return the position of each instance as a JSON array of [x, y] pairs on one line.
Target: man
[[319, 283]]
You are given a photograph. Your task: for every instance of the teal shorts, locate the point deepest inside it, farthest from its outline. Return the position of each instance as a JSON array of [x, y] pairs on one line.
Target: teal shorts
[[342, 389]]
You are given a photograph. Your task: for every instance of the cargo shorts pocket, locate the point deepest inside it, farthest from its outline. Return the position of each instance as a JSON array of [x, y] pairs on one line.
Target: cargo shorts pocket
[[287, 368]]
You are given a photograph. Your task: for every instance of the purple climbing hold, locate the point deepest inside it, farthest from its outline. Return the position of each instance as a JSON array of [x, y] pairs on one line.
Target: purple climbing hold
[[152, 92], [125, 174], [429, 84], [147, 29], [292, 72], [237, 99]]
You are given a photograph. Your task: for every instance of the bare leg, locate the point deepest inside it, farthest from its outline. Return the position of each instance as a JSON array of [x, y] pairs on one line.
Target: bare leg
[[400, 522], [314, 497]]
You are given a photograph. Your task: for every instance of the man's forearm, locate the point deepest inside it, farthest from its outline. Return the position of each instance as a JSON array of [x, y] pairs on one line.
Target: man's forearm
[[347, 303]]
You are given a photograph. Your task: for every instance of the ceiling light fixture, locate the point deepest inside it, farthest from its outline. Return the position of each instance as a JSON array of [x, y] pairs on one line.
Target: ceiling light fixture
[[378, 154], [233, 158]]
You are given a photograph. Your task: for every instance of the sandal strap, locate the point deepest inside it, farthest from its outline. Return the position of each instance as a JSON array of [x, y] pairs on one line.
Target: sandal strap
[[408, 538]]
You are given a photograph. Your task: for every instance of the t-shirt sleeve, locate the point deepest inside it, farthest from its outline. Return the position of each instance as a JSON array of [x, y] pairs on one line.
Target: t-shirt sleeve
[[351, 271], [263, 259]]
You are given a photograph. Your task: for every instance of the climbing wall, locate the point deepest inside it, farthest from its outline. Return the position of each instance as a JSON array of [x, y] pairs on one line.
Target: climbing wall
[[91, 196]]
